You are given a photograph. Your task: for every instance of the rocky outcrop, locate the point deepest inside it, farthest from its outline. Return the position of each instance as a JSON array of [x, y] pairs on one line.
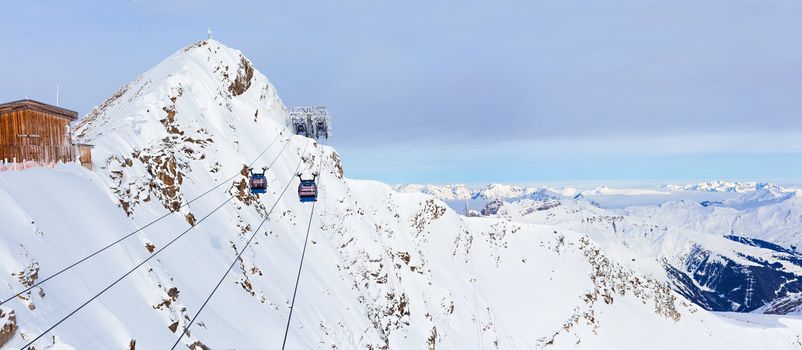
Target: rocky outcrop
[[243, 80], [719, 283], [8, 328], [610, 281]]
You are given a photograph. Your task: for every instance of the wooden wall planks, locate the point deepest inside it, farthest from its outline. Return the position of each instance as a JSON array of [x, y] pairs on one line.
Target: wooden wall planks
[[33, 135]]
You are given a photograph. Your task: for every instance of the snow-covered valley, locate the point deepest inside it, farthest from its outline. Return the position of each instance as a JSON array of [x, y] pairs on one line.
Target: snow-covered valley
[[544, 269]]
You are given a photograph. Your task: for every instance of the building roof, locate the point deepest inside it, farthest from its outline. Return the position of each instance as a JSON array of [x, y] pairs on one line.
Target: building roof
[[39, 107]]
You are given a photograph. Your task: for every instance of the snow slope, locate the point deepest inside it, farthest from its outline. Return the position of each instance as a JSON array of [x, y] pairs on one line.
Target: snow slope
[[737, 254], [384, 270]]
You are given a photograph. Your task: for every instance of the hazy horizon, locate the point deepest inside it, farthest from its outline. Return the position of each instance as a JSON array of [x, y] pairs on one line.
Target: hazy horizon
[[473, 92]]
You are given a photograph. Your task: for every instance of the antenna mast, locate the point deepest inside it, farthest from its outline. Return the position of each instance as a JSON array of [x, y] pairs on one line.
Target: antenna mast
[[208, 33], [57, 95]]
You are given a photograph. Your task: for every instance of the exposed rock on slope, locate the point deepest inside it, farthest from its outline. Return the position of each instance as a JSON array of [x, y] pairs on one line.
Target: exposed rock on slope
[[8, 325]]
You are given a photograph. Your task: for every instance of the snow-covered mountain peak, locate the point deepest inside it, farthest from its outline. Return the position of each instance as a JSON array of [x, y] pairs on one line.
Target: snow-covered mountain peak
[[725, 186], [443, 192], [203, 88], [502, 191], [202, 110], [761, 197]]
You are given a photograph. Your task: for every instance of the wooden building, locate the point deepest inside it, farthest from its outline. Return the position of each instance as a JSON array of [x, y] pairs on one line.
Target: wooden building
[[32, 131]]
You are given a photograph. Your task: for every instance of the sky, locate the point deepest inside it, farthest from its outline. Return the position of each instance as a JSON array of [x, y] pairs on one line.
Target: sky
[[469, 91]]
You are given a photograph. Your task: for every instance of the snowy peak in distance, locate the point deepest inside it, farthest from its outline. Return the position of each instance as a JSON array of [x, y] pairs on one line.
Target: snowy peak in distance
[[502, 191], [443, 192], [512, 192], [724, 186], [489, 192]]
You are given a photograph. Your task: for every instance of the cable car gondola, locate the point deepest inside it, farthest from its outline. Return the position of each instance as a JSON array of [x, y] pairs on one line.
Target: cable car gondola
[[300, 129], [322, 130], [258, 181], [307, 190]]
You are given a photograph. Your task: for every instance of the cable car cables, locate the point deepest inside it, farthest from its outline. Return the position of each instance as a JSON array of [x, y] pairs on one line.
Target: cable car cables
[[301, 265], [154, 254], [42, 281], [247, 243], [124, 275]]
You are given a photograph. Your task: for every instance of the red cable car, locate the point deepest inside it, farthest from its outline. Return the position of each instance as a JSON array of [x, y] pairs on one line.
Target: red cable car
[[258, 181], [307, 190]]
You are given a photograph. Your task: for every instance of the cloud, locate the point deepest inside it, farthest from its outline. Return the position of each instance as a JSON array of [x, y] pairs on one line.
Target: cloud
[[572, 69]]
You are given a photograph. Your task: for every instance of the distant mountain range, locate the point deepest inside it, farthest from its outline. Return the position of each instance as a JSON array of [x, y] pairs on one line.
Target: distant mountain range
[[724, 186], [511, 192], [735, 254]]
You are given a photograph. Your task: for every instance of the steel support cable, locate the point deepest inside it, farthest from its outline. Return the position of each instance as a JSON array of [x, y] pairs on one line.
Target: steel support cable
[[125, 275], [303, 255], [247, 243], [80, 261], [134, 269], [298, 277]]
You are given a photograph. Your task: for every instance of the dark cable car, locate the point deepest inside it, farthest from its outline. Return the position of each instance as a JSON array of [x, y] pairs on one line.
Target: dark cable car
[[322, 129], [307, 190], [300, 129], [258, 182]]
